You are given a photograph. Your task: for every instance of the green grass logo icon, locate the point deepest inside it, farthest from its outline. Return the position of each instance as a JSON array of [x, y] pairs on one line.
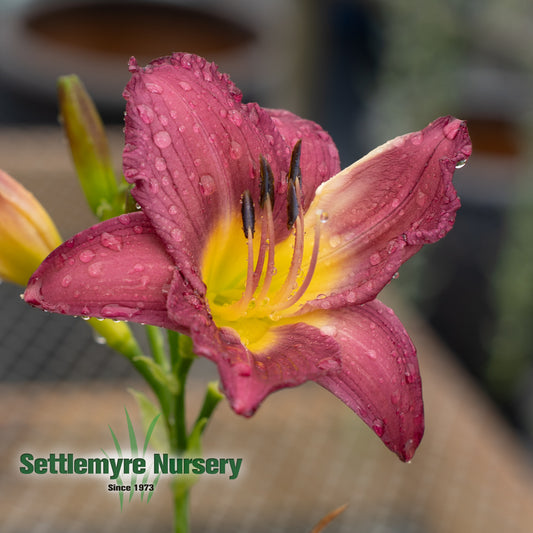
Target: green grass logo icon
[[146, 485]]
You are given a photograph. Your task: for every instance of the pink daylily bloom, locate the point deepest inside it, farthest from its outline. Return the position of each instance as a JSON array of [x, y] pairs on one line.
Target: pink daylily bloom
[[253, 242]]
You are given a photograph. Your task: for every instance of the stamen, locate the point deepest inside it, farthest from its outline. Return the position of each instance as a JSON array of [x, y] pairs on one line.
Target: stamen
[[270, 243], [267, 183], [293, 207], [311, 270], [248, 226], [248, 214], [295, 172]]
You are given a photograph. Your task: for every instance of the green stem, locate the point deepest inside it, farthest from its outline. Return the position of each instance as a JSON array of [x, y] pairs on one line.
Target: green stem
[[181, 506], [157, 346]]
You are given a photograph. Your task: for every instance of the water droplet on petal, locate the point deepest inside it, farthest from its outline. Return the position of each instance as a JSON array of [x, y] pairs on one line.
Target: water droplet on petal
[[323, 216], [379, 427], [160, 164], [328, 364], [124, 219], [66, 281], [375, 259], [146, 113], [162, 139], [207, 184], [334, 241], [111, 241], [86, 256], [154, 88], [177, 235], [185, 86], [395, 397], [460, 164], [95, 270], [372, 354], [235, 117], [172, 210], [118, 311], [235, 150]]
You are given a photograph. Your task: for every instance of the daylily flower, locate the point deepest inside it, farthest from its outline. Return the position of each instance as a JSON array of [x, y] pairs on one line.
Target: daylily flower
[[27, 233], [253, 243]]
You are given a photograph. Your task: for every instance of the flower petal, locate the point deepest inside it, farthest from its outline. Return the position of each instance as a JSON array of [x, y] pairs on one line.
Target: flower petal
[[320, 158], [192, 148], [381, 210], [379, 378], [287, 355], [117, 269]]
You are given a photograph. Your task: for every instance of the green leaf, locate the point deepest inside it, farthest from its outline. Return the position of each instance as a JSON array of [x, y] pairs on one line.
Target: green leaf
[[149, 413]]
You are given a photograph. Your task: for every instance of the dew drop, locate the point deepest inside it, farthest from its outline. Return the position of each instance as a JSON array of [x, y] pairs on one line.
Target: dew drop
[[379, 427], [146, 113], [86, 256], [118, 311], [235, 117], [207, 184], [160, 164], [95, 270], [421, 199], [375, 259], [162, 139], [395, 397], [111, 241], [323, 216], [328, 364], [334, 241], [185, 86], [124, 219], [235, 150], [66, 281], [177, 235], [460, 164], [372, 354], [172, 210], [138, 229], [154, 88]]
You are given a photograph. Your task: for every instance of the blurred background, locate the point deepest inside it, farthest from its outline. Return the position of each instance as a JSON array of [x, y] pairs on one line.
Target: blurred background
[[367, 70]]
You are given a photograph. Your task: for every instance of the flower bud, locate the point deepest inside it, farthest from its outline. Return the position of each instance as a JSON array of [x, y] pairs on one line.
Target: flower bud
[[27, 233], [89, 147]]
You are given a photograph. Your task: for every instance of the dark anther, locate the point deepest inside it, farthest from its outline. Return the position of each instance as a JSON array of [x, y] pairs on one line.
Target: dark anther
[[295, 172], [267, 183], [248, 213], [292, 204]]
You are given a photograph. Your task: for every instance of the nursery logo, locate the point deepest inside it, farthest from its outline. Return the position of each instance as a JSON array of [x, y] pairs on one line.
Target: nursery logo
[[135, 472]]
